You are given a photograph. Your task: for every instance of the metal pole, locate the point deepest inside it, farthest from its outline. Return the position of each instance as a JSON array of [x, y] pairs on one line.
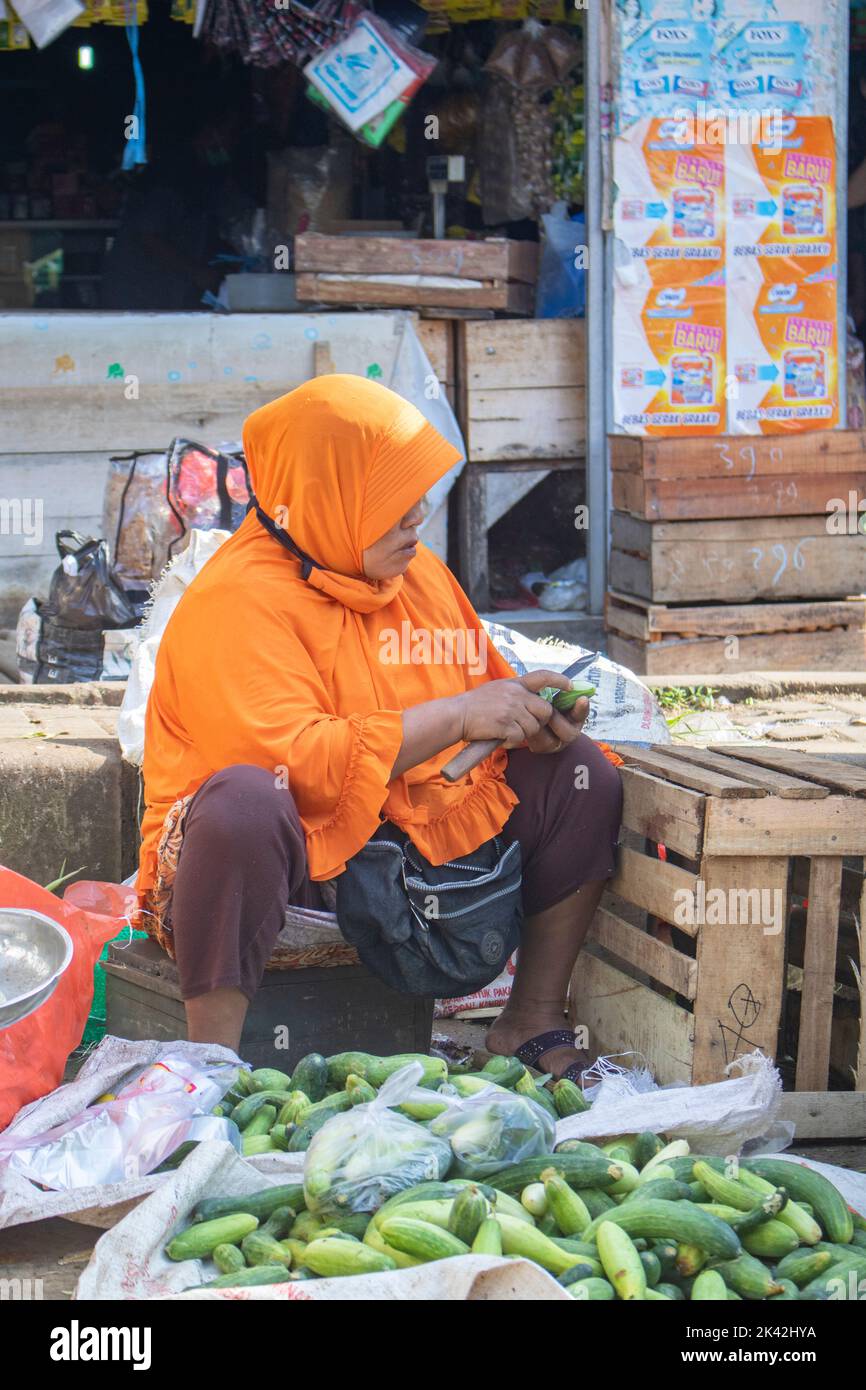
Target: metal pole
[[596, 327]]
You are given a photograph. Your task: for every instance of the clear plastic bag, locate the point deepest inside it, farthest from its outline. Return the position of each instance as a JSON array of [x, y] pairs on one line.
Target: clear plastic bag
[[126, 1138], [491, 1129], [361, 1158]]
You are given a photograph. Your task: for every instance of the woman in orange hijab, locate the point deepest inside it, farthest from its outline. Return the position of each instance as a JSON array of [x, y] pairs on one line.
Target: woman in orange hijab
[[301, 696]]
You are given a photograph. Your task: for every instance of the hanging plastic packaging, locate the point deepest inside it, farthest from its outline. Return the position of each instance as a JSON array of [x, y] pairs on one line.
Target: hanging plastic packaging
[[561, 291], [85, 593]]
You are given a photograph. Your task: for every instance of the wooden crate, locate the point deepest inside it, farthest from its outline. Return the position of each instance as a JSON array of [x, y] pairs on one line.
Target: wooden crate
[[522, 389], [656, 640], [324, 1009], [775, 558], [490, 274], [693, 996], [686, 479]]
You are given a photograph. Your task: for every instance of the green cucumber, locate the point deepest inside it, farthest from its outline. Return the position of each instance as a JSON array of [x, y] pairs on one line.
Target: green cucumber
[[804, 1184], [359, 1091], [469, 1211], [568, 1098], [270, 1079], [254, 1144], [261, 1249], [583, 1270], [248, 1278], [310, 1076], [594, 1290], [596, 1201], [331, 1257], [709, 1287], [790, 1293], [682, 1221], [749, 1278], [770, 1241], [261, 1123], [421, 1240], [488, 1240], [228, 1258], [671, 1291], [244, 1113], [652, 1267], [200, 1240], [646, 1146], [279, 1223], [260, 1204], [579, 1170], [843, 1282], [663, 1189], [506, 1075], [802, 1266]]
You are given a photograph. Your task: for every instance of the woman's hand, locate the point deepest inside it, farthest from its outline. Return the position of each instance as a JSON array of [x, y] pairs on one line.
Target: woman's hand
[[514, 713]]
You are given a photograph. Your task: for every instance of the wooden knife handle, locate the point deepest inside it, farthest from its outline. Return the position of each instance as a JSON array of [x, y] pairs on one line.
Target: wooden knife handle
[[469, 757]]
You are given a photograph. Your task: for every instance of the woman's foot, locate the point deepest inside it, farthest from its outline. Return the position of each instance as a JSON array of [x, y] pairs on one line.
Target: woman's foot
[[513, 1031]]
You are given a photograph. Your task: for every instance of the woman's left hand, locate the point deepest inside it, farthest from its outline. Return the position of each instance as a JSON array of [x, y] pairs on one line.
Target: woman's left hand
[[561, 729]]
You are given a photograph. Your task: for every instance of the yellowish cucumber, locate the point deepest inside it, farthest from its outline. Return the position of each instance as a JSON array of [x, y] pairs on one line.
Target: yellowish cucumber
[[332, 1258], [420, 1239], [709, 1287], [488, 1241], [518, 1238], [621, 1262]]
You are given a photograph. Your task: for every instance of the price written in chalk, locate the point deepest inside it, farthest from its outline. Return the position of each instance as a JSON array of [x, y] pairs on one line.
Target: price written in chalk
[[742, 460]]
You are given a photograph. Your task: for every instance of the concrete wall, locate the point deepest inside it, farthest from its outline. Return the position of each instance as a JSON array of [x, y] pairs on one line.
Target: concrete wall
[[77, 388]]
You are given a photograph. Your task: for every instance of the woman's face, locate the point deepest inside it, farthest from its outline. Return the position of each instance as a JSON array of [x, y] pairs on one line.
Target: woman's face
[[390, 554]]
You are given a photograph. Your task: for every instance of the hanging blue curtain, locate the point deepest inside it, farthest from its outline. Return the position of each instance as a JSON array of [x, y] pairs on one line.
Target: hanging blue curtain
[[136, 144]]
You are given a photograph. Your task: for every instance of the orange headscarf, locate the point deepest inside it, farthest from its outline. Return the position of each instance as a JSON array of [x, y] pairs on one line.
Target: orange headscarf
[[309, 677]]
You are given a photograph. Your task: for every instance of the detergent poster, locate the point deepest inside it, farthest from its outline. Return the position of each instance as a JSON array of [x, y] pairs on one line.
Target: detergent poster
[[670, 362], [781, 281], [725, 218]]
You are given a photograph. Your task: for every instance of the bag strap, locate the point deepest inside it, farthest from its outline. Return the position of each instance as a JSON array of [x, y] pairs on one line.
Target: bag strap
[[308, 564]]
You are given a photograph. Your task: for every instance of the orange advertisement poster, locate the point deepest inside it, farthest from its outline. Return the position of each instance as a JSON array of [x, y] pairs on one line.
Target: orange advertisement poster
[[670, 360], [670, 205]]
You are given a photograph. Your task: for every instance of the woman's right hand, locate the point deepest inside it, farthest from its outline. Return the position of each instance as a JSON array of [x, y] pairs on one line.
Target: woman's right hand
[[512, 712]]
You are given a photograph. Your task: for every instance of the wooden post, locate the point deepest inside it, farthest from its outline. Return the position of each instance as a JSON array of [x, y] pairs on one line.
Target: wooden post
[[741, 962], [819, 974], [472, 535]]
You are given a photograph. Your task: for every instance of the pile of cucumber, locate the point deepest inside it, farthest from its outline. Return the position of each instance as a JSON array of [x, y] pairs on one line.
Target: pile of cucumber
[[636, 1218]]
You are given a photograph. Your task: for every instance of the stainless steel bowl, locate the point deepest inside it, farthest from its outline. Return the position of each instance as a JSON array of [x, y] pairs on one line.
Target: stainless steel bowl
[[34, 952]]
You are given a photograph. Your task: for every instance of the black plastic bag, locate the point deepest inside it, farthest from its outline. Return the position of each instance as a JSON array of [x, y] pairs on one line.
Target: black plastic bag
[[67, 655], [85, 594]]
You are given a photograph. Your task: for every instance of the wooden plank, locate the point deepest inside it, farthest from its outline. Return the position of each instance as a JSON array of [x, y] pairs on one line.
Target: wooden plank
[[539, 422], [687, 498], [624, 1016], [472, 536], [841, 777], [842, 649], [660, 811], [741, 962], [505, 355], [436, 337], [731, 619], [329, 289], [663, 963], [819, 974], [736, 560], [659, 761], [827, 451], [774, 783], [825, 1114], [652, 884], [493, 259], [742, 828]]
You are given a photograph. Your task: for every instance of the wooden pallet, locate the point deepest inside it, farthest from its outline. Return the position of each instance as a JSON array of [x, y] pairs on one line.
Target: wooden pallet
[[775, 558], [694, 995], [712, 639], [686, 479], [394, 271]]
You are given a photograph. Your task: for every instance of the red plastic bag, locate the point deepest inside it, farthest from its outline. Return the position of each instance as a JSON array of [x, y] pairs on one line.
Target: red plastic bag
[[33, 1053]]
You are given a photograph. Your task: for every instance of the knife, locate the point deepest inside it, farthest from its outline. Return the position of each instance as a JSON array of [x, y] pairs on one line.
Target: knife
[[474, 753]]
